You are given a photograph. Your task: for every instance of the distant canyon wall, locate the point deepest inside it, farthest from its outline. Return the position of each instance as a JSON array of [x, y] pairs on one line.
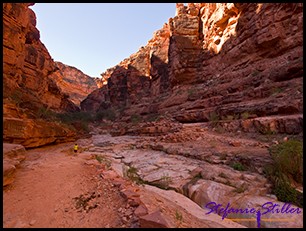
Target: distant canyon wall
[[74, 82], [214, 58]]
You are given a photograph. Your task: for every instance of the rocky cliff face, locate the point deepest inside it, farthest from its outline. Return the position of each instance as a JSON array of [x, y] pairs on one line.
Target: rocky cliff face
[[239, 63], [74, 82], [29, 82], [137, 78], [27, 65]]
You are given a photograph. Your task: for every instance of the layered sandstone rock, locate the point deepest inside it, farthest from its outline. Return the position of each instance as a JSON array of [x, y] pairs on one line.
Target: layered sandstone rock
[[131, 80], [34, 133], [222, 59], [13, 155], [74, 82], [28, 81], [27, 65]]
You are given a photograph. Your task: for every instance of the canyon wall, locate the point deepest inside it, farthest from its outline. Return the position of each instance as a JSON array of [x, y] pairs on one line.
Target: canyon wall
[[222, 60], [74, 82], [29, 82], [27, 65]]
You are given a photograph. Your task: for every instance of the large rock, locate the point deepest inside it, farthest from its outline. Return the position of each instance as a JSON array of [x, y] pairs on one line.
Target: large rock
[[172, 197], [35, 133], [206, 191], [276, 218], [154, 220], [13, 155]]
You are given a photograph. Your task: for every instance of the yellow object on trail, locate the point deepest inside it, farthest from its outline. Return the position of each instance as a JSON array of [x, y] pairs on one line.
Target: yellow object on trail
[[75, 148]]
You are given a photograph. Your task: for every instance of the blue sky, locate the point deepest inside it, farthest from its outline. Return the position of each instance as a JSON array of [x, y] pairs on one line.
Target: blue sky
[[96, 36]]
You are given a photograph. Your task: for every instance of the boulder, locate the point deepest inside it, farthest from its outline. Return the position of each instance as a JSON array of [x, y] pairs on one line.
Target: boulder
[[13, 155], [154, 220]]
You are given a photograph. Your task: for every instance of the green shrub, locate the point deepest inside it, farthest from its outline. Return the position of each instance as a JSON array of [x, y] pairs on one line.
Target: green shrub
[[238, 166], [99, 158], [288, 157], [221, 174], [276, 90], [84, 126], [178, 216], [133, 175], [241, 188], [165, 181], [79, 120], [17, 97], [131, 171], [229, 183], [229, 117], [191, 92], [255, 73], [287, 164], [245, 115], [267, 131], [285, 192], [153, 117], [74, 116], [219, 129], [214, 118], [45, 113], [179, 92], [223, 156], [103, 160], [135, 118]]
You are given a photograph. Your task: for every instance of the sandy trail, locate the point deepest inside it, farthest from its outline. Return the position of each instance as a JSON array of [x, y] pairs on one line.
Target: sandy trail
[[45, 187]]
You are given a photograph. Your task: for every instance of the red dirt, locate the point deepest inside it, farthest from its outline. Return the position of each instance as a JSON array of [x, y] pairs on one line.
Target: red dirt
[[46, 187]]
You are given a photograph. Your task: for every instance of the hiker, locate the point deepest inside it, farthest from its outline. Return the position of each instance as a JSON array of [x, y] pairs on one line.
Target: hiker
[[75, 148]]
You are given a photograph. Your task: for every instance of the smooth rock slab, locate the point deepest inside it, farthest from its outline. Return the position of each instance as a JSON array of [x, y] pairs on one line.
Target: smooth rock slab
[[154, 220], [211, 220], [268, 220]]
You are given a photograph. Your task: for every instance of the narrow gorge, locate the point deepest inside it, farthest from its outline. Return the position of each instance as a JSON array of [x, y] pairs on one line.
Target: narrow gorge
[[204, 112]]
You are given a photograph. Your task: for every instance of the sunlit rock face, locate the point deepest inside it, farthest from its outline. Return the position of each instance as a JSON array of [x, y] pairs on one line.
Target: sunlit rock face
[[225, 58], [74, 82], [29, 83], [27, 66]]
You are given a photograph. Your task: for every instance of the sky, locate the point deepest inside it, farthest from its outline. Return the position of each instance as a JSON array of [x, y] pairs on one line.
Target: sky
[[96, 36]]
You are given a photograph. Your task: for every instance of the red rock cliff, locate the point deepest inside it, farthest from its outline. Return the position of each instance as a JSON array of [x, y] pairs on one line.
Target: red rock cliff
[[28, 82], [227, 59], [27, 65], [74, 82]]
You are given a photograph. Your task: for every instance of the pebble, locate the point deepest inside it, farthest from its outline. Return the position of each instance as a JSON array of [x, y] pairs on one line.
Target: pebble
[[129, 213], [32, 222], [272, 196]]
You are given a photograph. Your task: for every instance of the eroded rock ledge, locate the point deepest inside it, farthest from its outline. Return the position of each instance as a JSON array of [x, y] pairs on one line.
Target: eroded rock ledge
[[224, 60]]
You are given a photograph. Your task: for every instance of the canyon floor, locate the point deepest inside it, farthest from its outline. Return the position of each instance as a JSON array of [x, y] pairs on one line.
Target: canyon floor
[[141, 181], [46, 189]]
